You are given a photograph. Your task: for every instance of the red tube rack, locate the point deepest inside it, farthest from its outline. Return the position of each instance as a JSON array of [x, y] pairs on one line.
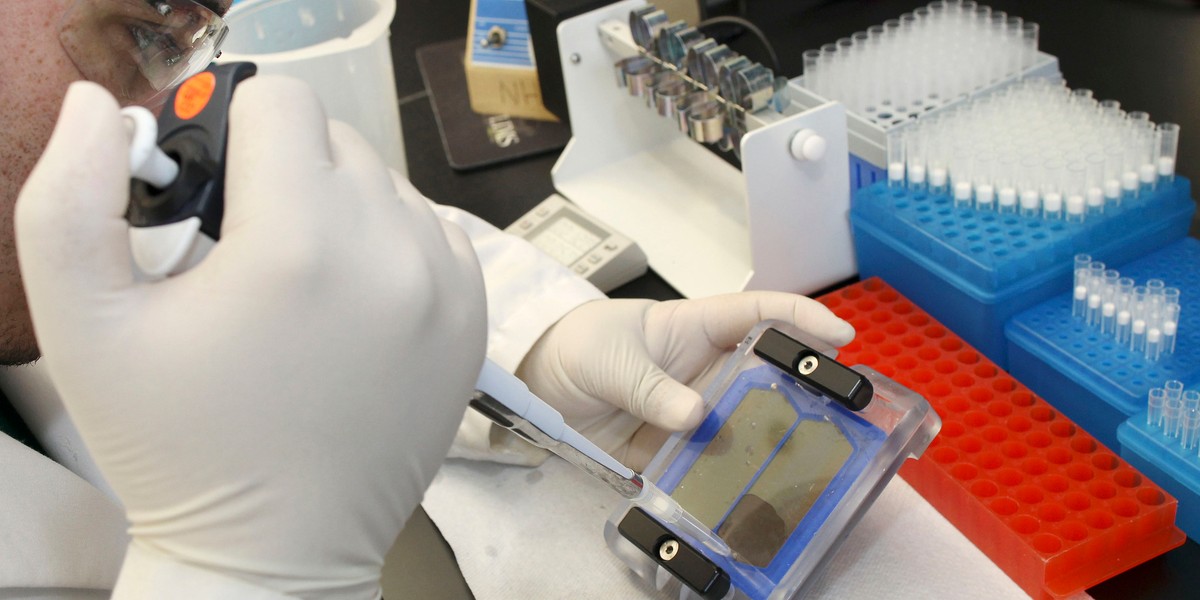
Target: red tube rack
[[1053, 508]]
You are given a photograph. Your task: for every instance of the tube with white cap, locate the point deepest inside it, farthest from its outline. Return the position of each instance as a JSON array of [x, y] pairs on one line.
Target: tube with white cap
[[1168, 137]]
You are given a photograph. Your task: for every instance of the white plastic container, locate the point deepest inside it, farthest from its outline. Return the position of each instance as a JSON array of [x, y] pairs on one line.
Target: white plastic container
[[340, 47]]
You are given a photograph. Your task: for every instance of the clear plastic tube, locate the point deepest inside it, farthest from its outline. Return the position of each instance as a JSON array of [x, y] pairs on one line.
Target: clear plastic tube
[[1113, 161], [1074, 189], [1052, 198], [960, 176], [1172, 414], [1189, 429], [1171, 296], [914, 148], [1137, 311], [895, 164], [985, 190], [1030, 194], [1173, 389], [1157, 398], [1111, 279], [812, 69], [1137, 335], [1155, 292], [1080, 289], [1108, 317], [1094, 300], [1029, 44], [939, 176], [1170, 327], [1168, 146], [1006, 187], [1129, 179], [1124, 326], [1094, 191], [1125, 293], [1191, 400], [1012, 43], [1153, 344]]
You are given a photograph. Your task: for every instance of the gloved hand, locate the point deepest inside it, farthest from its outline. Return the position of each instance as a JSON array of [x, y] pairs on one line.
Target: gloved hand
[[274, 414], [610, 365]]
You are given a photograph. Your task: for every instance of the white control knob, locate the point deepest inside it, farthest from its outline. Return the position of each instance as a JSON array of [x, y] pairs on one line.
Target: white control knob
[[807, 145]]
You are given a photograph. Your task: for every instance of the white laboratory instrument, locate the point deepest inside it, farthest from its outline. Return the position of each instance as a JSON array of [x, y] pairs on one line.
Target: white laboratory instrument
[[778, 223], [583, 243]]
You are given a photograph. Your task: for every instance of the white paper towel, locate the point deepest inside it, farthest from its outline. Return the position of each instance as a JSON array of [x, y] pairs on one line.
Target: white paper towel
[[522, 533]]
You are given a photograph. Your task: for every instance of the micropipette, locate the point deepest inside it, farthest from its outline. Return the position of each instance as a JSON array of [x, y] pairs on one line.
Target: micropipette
[[175, 206], [175, 214], [506, 400]]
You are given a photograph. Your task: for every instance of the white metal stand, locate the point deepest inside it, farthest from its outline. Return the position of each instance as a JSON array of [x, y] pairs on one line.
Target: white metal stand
[[707, 227]]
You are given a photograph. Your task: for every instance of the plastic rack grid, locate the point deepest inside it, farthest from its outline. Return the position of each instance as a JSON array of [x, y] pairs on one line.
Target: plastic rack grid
[[1167, 463], [973, 269], [1090, 377], [1053, 508], [868, 140]]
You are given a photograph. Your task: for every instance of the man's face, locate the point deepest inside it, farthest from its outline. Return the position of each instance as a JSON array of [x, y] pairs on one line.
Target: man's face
[[34, 76]]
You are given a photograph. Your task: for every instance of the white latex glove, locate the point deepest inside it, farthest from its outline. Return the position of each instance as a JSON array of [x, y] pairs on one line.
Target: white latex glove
[[610, 365], [275, 414]]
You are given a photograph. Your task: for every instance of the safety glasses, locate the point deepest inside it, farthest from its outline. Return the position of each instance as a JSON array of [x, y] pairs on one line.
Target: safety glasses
[[140, 49]]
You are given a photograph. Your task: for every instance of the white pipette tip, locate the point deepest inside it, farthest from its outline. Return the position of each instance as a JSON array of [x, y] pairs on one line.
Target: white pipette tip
[[937, 177], [1007, 197], [1075, 205], [1112, 189], [984, 194], [1129, 181], [1053, 202], [1166, 166], [146, 160], [962, 191], [1147, 173], [1030, 201], [916, 174]]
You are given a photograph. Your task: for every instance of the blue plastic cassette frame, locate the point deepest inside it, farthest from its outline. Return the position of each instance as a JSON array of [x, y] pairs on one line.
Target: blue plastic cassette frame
[[897, 424], [864, 438]]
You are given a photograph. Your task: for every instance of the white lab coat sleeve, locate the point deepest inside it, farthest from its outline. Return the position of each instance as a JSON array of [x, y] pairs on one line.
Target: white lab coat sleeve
[[149, 574], [527, 292], [59, 536]]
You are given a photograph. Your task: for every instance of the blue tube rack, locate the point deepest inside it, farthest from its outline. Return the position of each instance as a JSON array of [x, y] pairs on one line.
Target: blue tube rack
[[1164, 461], [1088, 376], [863, 173], [973, 270]]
